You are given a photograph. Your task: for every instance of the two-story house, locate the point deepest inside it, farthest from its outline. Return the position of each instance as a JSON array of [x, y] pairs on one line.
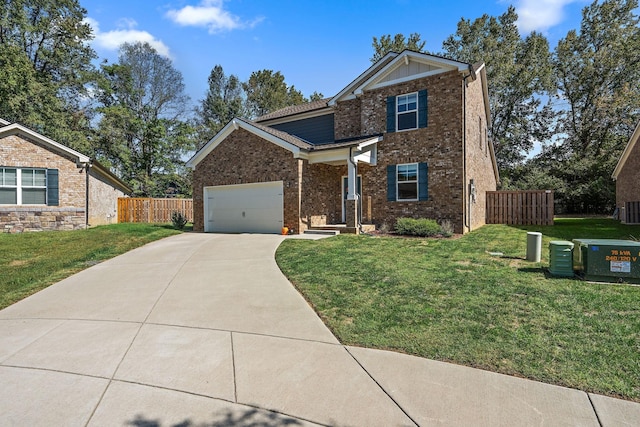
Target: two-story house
[[406, 138]]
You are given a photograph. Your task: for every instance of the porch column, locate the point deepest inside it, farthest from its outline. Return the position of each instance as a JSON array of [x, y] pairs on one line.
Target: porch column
[[351, 204]]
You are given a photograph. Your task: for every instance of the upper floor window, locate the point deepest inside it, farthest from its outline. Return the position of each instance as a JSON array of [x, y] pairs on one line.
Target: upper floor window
[[25, 186], [407, 111]]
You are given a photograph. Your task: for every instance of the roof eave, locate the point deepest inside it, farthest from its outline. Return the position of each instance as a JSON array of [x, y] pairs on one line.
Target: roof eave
[[56, 146], [232, 126], [627, 152]]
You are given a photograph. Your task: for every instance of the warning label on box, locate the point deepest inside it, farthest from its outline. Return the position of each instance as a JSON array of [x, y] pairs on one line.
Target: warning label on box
[[620, 267]]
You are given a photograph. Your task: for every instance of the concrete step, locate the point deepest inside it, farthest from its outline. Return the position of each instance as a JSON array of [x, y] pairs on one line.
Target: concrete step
[[322, 231]]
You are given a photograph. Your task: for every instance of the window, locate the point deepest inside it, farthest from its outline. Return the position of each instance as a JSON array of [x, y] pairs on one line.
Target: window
[[407, 182], [21, 186], [407, 111], [8, 186]]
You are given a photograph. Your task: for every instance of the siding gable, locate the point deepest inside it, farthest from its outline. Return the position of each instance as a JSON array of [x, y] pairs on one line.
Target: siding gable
[[317, 130]]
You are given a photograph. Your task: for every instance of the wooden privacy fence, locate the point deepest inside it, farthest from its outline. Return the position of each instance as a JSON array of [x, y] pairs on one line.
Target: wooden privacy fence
[[520, 207], [144, 209], [632, 212]]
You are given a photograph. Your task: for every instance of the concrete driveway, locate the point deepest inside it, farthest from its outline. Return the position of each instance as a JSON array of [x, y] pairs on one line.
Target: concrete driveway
[[204, 330]]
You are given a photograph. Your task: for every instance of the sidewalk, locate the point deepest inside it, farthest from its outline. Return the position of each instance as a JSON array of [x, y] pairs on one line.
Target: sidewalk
[[203, 329]]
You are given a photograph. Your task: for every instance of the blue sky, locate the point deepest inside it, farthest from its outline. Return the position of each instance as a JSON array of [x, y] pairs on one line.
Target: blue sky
[[317, 45]]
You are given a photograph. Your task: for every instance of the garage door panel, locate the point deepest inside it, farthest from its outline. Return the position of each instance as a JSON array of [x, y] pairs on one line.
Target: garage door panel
[[244, 208]]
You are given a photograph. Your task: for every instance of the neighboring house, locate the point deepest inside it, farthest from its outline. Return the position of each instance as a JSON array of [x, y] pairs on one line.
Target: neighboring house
[[627, 177], [407, 138], [44, 185]]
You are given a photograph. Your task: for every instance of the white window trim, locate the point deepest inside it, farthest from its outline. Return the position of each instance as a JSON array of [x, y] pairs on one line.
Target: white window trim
[[405, 112], [417, 181], [19, 186]]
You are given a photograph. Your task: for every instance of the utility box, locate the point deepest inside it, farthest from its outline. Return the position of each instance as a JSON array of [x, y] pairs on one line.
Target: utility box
[[560, 258], [607, 260]]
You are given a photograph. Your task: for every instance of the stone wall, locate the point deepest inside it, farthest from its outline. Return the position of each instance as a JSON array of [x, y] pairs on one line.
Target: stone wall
[[244, 158], [18, 219]]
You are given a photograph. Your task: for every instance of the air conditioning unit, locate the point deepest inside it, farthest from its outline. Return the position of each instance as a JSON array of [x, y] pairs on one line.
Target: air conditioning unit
[[607, 260]]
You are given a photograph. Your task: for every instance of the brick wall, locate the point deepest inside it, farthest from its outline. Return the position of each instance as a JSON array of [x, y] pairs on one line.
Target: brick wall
[[478, 156], [19, 151], [347, 119], [103, 200], [244, 158], [439, 145], [322, 194], [627, 188]]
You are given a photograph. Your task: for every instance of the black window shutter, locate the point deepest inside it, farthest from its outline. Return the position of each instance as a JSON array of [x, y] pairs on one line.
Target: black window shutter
[[391, 114], [52, 188], [391, 183], [422, 109], [423, 181]]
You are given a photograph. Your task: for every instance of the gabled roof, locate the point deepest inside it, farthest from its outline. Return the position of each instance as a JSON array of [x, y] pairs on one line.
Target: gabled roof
[[297, 146], [80, 159], [279, 138], [627, 152], [3, 122], [423, 64], [365, 75], [15, 128]]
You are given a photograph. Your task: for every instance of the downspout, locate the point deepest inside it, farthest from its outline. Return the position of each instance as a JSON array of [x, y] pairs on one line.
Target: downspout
[[467, 219], [358, 207], [87, 166]]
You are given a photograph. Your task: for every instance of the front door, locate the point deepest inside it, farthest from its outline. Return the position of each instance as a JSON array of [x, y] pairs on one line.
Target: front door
[[345, 190]]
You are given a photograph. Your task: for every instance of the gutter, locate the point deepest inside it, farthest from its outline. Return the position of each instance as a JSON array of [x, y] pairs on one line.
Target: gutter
[[467, 217]]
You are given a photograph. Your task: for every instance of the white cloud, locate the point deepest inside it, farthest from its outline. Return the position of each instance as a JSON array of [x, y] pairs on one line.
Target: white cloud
[[127, 33], [209, 14], [540, 15]]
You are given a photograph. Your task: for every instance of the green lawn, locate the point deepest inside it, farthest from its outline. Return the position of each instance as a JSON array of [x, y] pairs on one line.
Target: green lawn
[[451, 300], [30, 262]]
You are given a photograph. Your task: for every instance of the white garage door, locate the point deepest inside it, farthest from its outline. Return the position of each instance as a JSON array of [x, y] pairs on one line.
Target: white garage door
[[244, 208]]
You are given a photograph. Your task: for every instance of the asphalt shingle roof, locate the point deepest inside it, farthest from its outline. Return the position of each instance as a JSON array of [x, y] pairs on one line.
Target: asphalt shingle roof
[[294, 109]]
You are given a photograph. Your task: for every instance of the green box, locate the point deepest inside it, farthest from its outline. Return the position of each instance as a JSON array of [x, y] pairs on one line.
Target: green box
[[607, 260]]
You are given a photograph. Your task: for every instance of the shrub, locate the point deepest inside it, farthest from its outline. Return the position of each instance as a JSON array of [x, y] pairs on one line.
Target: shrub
[[446, 227], [418, 227], [178, 220]]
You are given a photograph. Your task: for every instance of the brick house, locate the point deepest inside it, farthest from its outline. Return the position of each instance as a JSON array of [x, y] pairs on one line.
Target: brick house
[[45, 185], [407, 138], [627, 177]]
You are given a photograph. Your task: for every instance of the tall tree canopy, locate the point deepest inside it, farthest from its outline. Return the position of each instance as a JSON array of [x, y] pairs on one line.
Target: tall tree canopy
[[267, 91], [397, 44], [597, 69], [519, 72], [45, 64], [223, 101], [142, 131]]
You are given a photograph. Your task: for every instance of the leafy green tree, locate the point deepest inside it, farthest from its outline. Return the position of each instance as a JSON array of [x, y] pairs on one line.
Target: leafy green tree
[[223, 102], [45, 65], [386, 44], [143, 132], [316, 96], [597, 69], [267, 91], [519, 73]]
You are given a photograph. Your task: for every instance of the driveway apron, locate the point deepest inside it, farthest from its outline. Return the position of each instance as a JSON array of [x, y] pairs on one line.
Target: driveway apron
[[203, 329]]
